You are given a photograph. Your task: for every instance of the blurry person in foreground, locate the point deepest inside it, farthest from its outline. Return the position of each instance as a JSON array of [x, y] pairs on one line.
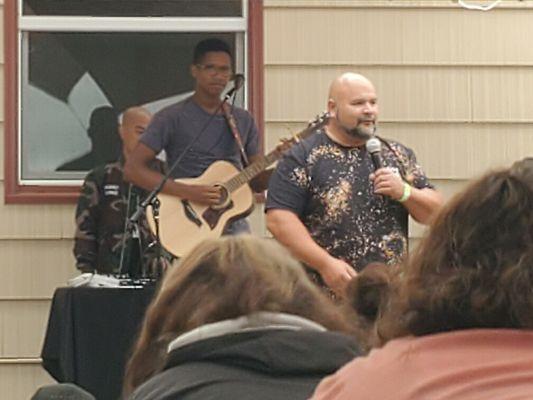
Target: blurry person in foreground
[[238, 319], [458, 324]]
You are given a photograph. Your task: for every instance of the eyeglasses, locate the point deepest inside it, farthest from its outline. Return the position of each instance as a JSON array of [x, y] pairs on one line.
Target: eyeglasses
[[212, 70]]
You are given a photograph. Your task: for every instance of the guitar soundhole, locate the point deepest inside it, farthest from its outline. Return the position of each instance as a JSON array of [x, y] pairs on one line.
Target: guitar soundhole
[[224, 197], [212, 215]]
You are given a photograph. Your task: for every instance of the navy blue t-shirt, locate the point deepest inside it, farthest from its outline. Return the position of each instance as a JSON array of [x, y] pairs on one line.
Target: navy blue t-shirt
[[328, 187], [175, 126]]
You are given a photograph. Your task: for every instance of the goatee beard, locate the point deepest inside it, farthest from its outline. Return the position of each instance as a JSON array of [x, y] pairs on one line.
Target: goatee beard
[[359, 133]]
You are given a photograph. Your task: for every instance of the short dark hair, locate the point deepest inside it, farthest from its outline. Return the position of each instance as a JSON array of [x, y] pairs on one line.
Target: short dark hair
[[209, 45]]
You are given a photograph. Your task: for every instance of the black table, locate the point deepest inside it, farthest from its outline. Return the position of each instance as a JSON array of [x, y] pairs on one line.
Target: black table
[[89, 336]]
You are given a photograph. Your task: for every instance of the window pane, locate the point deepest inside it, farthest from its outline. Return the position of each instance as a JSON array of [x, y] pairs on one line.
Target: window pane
[[67, 76], [135, 8]]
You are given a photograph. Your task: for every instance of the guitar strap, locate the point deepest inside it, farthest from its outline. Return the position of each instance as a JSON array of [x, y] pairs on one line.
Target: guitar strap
[[230, 119]]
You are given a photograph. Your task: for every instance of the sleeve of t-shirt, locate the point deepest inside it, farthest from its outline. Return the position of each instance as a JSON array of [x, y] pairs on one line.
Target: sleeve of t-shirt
[[288, 187], [157, 134], [417, 174]]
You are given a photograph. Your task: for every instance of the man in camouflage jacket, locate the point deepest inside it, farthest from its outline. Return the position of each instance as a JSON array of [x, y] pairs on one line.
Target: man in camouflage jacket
[[102, 241]]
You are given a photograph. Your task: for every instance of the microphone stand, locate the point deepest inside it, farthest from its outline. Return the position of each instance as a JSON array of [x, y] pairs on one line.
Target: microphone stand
[[132, 243], [151, 199], [126, 233]]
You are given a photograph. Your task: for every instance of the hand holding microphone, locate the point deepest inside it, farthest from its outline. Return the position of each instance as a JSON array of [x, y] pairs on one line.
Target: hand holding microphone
[[387, 182], [373, 146]]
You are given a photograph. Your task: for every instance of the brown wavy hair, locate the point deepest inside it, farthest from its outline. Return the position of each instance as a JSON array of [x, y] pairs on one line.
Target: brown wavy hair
[[474, 269], [224, 279], [368, 295]]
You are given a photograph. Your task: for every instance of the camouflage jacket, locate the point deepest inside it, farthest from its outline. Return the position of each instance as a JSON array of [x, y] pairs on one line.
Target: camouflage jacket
[[100, 240]]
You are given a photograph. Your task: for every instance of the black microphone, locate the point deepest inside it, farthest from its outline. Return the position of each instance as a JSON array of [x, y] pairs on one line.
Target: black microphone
[[373, 146], [238, 80]]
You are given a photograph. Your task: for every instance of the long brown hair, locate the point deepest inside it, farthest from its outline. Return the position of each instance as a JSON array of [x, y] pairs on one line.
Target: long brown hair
[[223, 279], [474, 269]]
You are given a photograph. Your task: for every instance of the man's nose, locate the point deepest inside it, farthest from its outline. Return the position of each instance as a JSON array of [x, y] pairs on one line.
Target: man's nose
[[369, 108]]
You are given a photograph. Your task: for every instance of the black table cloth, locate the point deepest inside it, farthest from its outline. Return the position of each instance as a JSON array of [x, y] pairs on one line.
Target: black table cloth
[[89, 336]]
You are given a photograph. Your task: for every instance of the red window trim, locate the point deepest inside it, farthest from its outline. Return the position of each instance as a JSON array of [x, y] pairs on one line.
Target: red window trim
[[32, 194]]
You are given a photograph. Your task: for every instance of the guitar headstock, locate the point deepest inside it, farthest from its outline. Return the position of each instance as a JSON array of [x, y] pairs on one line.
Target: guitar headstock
[[319, 121], [312, 126]]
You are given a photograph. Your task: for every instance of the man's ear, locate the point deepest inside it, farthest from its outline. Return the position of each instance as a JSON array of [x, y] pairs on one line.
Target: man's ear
[[193, 69], [332, 108], [121, 131]]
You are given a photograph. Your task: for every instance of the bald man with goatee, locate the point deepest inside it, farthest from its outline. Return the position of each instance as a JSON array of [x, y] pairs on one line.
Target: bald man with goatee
[[329, 204]]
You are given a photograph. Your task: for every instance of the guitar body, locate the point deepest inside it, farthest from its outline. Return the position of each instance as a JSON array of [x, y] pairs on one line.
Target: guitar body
[[184, 224]]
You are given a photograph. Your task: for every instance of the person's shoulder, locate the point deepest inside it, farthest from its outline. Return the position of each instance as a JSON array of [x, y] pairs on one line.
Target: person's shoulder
[[314, 138], [92, 184], [110, 167], [95, 173], [170, 383], [392, 143], [302, 147], [241, 113], [99, 172], [114, 168], [396, 146], [173, 110]]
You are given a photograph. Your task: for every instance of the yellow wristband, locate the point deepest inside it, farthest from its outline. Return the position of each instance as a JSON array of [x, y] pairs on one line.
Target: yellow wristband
[[406, 193]]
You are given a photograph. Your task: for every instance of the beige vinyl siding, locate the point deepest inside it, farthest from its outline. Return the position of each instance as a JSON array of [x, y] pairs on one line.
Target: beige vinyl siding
[[2, 125], [33, 268], [21, 320], [36, 221], [20, 378], [454, 85]]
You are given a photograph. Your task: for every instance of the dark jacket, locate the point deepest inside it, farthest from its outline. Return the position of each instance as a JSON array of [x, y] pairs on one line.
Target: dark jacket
[[254, 364], [105, 202]]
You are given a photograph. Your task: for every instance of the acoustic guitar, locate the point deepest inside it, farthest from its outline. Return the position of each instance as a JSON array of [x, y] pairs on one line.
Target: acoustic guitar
[[184, 224]]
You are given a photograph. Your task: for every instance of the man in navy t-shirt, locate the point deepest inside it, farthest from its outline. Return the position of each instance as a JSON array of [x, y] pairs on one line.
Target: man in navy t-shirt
[[328, 204]]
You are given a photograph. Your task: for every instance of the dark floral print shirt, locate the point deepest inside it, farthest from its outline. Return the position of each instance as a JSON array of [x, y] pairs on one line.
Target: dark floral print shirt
[[328, 187]]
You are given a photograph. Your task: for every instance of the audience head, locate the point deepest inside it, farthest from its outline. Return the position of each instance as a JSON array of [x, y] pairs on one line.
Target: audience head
[[63, 391], [368, 295], [474, 269], [225, 279]]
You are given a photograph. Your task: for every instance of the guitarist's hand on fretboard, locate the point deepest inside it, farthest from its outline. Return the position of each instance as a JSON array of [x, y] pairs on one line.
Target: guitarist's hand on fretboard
[[202, 194], [284, 144]]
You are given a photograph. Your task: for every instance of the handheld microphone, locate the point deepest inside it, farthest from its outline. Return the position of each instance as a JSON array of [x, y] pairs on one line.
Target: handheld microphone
[[238, 80], [373, 146]]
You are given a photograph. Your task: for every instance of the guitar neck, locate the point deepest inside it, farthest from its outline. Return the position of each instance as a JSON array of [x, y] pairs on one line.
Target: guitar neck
[[251, 171], [260, 165]]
